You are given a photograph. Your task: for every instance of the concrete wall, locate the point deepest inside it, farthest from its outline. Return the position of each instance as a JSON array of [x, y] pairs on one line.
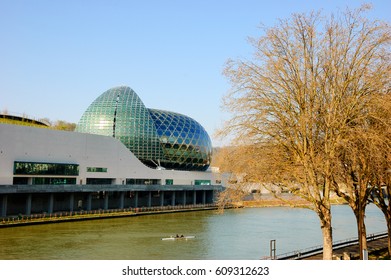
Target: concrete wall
[[22, 143]]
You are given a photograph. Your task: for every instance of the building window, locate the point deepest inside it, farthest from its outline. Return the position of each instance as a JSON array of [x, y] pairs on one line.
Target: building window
[[43, 168], [202, 182], [169, 182], [99, 181], [53, 181], [96, 169], [142, 181], [21, 181]]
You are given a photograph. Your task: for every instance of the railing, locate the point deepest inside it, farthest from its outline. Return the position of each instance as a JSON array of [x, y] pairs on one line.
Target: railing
[[24, 117], [86, 214], [299, 254]]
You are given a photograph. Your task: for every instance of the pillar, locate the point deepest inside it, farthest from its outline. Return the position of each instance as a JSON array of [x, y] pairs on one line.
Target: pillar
[[194, 197], [71, 201], [106, 201], [89, 201], [203, 196], [51, 203], [173, 198], [3, 208], [136, 199], [149, 199], [121, 200], [184, 197], [162, 198], [28, 204], [214, 196]]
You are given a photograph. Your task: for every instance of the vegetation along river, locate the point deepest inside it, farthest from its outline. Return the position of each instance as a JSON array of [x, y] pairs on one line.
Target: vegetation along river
[[236, 234]]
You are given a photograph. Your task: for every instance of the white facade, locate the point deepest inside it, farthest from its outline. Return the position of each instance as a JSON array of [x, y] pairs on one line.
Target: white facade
[[41, 145]]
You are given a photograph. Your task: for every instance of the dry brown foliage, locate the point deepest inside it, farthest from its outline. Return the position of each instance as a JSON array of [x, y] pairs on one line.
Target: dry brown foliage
[[310, 87]]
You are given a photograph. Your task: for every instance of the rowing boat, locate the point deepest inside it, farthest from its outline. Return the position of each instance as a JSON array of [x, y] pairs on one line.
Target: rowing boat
[[179, 238]]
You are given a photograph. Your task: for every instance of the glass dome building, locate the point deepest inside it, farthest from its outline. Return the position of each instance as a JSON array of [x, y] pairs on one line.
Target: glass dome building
[[157, 138]]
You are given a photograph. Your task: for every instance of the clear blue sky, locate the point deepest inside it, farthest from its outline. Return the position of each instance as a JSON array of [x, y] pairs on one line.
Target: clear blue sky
[[56, 57]]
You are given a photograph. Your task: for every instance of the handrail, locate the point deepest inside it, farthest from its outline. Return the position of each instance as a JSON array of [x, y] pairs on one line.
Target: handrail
[[84, 214], [319, 248], [24, 116]]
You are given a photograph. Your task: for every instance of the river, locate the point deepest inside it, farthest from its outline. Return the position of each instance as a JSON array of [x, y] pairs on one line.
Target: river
[[236, 234]]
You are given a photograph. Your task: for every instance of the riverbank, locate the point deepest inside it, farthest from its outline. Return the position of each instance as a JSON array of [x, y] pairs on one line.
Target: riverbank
[[377, 250], [286, 200], [283, 200], [62, 217]]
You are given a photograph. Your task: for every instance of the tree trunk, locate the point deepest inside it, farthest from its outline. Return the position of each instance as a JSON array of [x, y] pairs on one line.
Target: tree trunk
[[389, 234], [361, 230], [327, 235]]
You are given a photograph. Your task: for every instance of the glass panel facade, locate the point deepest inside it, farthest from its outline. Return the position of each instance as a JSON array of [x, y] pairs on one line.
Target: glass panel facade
[[53, 181], [155, 137], [142, 182], [169, 181], [120, 113], [96, 169], [202, 182], [185, 142], [43, 168], [99, 181], [20, 181]]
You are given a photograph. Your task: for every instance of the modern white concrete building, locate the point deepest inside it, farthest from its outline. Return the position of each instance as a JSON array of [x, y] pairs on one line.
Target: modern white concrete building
[[123, 155], [98, 160], [45, 170]]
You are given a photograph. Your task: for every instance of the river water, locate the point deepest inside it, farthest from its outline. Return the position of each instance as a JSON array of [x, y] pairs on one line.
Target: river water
[[236, 234]]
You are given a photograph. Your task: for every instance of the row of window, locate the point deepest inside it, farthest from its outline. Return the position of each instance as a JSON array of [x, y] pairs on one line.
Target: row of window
[[97, 169], [40, 168], [44, 168], [142, 181], [67, 169], [44, 181], [93, 181]]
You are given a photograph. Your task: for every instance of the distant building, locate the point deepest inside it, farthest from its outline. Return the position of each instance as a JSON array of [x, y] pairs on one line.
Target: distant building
[[121, 155], [22, 120]]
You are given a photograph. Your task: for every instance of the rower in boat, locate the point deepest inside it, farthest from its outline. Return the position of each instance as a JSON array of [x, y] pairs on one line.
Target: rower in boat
[[178, 237]]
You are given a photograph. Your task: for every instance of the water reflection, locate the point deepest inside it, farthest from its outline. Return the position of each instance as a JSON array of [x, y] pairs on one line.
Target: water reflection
[[237, 234]]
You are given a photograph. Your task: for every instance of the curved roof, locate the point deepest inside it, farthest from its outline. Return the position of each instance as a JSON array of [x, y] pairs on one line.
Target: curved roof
[[22, 120], [155, 137], [185, 142], [120, 113]]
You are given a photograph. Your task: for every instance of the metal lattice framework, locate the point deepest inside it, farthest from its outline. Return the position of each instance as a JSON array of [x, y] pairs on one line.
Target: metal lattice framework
[[185, 142], [155, 137]]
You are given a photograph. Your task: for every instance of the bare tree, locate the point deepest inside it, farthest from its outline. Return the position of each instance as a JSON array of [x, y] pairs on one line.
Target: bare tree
[[354, 181], [381, 195], [236, 162], [63, 125], [307, 83], [381, 165], [364, 141]]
